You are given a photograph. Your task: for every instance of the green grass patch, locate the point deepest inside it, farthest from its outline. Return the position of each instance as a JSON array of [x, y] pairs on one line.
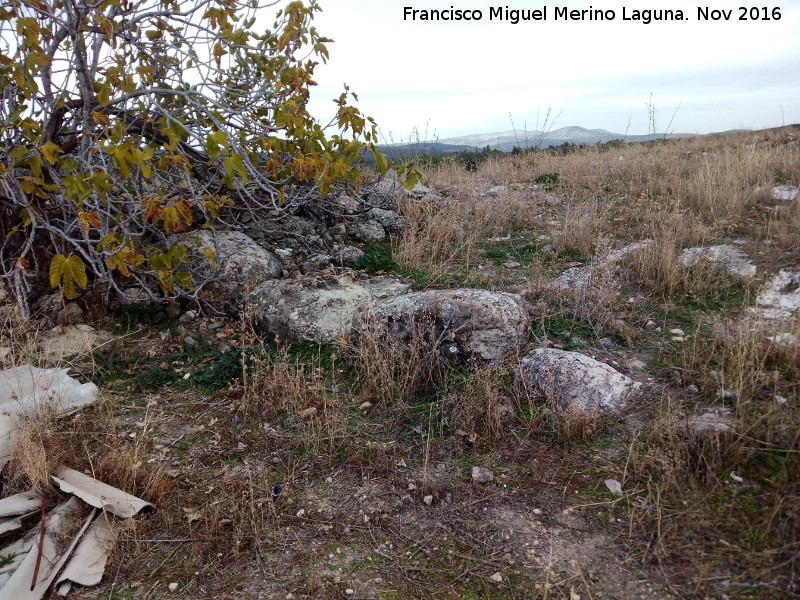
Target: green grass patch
[[380, 258]]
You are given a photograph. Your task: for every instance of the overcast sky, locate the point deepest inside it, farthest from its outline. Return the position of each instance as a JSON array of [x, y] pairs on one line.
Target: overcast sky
[[456, 78]]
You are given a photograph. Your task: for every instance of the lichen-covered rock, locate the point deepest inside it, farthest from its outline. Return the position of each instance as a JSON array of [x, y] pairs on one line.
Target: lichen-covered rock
[[292, 231], [316, 262], [391, 222], [602, 270], [345, 253], [466, 326], [314, 308], [369, 232], [241, 263], [574, 380]]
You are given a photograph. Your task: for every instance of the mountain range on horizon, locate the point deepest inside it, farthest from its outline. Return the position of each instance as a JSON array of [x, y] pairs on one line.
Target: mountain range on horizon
[[506, 141]]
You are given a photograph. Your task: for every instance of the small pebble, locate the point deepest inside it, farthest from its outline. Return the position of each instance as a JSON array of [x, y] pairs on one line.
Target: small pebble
[[497, 577], [309, 412], [677, 332], [428, 500], [482, 475], [173, 586]]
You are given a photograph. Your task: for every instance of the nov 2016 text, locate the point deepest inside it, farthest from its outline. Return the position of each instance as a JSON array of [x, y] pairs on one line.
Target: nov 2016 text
[[565, 13]]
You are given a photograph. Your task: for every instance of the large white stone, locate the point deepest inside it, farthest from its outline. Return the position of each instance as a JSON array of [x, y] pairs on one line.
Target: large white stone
[[726, 257]]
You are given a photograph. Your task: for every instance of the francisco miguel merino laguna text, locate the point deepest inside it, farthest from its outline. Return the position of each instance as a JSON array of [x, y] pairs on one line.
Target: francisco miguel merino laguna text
[[560, 13]]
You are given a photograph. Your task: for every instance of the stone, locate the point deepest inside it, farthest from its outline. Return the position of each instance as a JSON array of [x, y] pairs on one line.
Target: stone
[[482, 475], [579, 279], [727, 257], [391, 222], [573, 380], [309, 308], [784, 192], [72, 340], [316, 262], [302, 233], [496, 190], [779, 297], [241, 264], [784, 340], [369, 232], [318, 307], [344, 254], [466, 326], [718, 420], [72, 314]]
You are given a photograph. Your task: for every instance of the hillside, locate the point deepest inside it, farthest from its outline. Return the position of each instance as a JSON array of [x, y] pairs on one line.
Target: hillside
[[506, 141], [543, 377]]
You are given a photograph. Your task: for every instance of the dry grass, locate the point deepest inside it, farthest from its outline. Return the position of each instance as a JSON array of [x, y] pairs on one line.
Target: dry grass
[[392, 371], [438, 236], [583, 228], [479, 407]]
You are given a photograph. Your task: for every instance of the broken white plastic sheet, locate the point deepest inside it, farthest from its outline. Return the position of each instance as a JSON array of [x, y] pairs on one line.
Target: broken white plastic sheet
[[98, 494], [25, 390], [60, 525], [84, 553], [88, 563], [15, 508]]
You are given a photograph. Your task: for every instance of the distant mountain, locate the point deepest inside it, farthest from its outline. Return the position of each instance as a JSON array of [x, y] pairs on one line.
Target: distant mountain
[[507, 140]]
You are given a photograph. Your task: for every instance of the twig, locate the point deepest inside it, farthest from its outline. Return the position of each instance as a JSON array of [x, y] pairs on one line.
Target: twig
[[41, 546]]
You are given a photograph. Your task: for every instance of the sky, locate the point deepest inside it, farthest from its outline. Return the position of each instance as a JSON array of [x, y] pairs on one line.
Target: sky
[[431, 80]]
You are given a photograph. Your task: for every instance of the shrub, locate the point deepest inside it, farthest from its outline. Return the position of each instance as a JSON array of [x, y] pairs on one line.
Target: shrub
[[123, 123]]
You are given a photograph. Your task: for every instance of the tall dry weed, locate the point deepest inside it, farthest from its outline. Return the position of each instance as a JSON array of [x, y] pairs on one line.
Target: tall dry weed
[[394, 371]]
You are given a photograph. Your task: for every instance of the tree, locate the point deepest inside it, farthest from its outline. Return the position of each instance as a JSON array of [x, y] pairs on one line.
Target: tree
[[123, 122]]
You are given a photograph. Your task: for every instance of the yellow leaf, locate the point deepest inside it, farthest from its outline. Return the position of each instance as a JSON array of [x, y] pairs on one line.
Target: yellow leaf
[[104, 96], [66, 272], [49, 150], [210, 255]]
